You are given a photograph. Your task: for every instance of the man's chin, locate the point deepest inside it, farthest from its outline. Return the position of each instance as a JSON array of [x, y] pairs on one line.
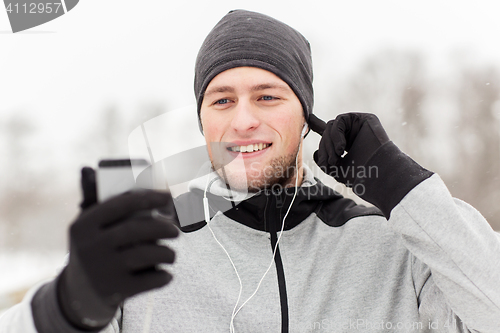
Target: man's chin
[[280, 172], [254, 185], [243, 182]]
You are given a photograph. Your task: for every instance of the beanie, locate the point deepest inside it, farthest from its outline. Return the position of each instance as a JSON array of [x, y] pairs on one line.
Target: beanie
[[244, 38]]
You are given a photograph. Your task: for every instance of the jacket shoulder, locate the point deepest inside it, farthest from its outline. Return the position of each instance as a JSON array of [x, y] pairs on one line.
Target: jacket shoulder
[[336, 212]]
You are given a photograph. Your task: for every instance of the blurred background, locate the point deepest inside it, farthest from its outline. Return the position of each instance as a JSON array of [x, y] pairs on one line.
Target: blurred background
[[73, 89]]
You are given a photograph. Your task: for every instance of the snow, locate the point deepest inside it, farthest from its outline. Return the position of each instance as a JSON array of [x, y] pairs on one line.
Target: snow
[[19, 271]]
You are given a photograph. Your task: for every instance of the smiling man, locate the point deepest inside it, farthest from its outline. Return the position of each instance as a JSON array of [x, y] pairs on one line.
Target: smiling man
[[253, 84], [292, 255]]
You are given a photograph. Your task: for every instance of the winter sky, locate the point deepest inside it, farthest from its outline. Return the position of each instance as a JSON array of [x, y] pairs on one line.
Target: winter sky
[[128, 53]]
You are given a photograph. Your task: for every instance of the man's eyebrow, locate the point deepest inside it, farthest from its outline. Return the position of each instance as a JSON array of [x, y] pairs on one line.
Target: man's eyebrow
[[263, 86], [219, 89]]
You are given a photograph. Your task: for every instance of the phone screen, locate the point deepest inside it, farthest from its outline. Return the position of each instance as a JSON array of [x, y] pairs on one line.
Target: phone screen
[[115, 176]]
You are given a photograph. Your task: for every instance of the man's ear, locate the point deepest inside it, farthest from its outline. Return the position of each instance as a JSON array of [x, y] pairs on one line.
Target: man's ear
[[200, 126]]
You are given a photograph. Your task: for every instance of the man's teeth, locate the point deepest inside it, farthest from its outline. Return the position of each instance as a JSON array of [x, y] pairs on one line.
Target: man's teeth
[[250, 148]]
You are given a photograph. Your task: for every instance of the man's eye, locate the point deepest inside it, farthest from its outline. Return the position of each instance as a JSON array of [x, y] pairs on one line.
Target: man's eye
[[222, 101], [268, 98]]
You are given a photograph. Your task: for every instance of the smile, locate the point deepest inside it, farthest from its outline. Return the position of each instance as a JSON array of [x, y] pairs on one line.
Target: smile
[[250, 148]]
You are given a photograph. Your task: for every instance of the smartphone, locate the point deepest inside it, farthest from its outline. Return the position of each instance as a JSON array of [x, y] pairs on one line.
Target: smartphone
[[116, 176]]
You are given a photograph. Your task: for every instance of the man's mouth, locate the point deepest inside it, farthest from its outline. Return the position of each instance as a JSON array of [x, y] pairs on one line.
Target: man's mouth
[[249, 148]]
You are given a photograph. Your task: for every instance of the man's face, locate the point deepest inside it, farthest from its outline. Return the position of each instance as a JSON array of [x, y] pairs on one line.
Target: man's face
[[258, 120]]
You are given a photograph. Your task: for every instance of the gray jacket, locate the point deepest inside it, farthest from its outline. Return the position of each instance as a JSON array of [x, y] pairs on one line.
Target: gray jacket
[[434, 266]]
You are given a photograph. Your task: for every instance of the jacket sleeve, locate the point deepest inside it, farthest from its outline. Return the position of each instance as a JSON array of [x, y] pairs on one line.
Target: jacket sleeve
[[40, 313], [461, 250], [19, 317]]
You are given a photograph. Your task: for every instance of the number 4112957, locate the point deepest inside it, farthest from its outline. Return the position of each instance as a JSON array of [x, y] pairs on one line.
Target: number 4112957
[[34, 8]]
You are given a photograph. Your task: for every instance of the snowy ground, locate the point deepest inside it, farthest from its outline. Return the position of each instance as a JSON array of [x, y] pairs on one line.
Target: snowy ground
[[19, 271]]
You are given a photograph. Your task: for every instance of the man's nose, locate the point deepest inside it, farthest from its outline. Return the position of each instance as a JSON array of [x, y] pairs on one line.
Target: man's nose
[[245, 117]]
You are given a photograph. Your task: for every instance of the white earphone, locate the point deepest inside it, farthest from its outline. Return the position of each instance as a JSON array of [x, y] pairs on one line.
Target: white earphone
[[304, 130]]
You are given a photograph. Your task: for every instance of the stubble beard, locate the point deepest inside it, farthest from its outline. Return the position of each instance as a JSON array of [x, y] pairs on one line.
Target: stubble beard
[[280, 172]]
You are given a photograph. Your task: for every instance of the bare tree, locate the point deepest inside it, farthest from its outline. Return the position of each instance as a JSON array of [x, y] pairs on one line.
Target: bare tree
[[477, 140], [393, 85], [19, 187], [112, 131], [146, 112], [34, 208]]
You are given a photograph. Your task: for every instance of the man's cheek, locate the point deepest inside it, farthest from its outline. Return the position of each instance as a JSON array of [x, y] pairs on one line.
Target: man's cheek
[[291, 145], [214, 132], [255, 168]]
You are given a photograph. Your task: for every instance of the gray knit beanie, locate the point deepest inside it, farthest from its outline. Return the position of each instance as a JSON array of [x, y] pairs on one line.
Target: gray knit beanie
[[244, 38]]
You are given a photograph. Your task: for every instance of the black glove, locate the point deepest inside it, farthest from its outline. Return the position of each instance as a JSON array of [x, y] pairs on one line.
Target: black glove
[[89, 189], [374, 167], [114, 253], [363, 130]]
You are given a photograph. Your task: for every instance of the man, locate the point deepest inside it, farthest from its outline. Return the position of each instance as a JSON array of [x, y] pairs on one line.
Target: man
[[286, 258]]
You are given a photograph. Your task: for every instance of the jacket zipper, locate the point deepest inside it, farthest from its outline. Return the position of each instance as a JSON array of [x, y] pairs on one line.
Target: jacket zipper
[[274, 219]]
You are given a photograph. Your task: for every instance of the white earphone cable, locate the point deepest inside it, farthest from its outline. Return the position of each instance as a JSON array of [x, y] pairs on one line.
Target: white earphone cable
[[277, 242], [207, 220]]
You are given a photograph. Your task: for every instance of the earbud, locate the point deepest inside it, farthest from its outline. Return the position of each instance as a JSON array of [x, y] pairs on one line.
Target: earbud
[[304, 130]]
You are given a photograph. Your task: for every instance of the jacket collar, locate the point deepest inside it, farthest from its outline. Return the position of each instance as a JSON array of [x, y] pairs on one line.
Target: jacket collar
[[264, 210]]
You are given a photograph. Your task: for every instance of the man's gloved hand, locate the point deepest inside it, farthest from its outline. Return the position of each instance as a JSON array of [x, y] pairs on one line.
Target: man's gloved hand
[[359, 134], [374, 167], [114, 253]]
